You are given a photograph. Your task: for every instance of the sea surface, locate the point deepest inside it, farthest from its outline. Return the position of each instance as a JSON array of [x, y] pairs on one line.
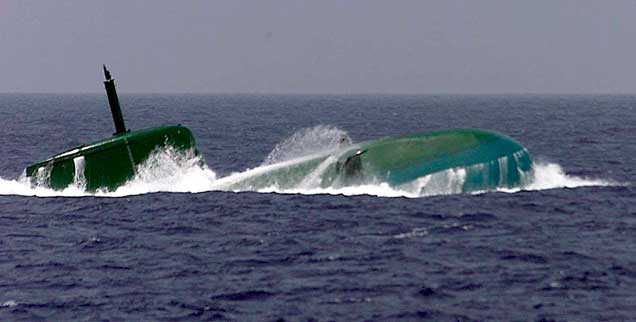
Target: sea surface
[[173, 246]]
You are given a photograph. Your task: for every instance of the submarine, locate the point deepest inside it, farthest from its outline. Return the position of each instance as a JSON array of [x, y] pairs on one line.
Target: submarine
[[467, 159], [111, 162]]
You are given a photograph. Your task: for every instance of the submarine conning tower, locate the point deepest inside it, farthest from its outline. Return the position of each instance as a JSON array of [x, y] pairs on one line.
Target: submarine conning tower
[[113, 101], [109, 163]]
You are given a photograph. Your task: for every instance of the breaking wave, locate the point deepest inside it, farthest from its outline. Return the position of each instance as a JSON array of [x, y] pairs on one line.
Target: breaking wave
[[168, 170]]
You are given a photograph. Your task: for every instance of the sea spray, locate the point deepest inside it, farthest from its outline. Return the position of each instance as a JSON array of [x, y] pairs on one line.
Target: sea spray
[[284, 175], [314, 178], [308, 141], [547, 175], [168, 170]]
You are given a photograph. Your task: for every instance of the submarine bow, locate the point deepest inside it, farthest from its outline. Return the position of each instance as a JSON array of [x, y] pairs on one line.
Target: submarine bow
[[469, 159]]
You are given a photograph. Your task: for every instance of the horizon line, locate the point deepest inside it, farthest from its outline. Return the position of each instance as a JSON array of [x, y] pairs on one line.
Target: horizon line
[[323, 94]]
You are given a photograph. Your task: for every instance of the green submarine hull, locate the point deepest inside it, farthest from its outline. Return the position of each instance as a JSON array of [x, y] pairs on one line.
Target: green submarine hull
[[478, 160], [109, 163], [475, 160]]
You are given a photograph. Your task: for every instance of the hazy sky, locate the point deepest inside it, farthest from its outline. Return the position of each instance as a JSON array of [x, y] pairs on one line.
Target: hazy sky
[[348, 46]]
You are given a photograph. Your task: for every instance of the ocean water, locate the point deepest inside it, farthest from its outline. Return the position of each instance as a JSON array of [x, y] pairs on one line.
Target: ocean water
[[173, 244]]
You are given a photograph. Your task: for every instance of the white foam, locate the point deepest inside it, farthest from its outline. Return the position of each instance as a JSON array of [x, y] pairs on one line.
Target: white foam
[[22, 187], [379, 190], [166, 171], [546, 175], [10, 303], [416, 232]]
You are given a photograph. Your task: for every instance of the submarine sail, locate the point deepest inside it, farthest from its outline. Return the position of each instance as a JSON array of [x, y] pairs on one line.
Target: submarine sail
[[108, 163], [113, 101]]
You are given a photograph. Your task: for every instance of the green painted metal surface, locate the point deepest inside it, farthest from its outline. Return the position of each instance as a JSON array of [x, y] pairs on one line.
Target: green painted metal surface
[[489, 159], [109, 163], [474, 159], [479, 160]]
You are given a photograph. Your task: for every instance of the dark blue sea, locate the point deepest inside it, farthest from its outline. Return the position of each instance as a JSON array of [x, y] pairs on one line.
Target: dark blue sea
[[172, 246]]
